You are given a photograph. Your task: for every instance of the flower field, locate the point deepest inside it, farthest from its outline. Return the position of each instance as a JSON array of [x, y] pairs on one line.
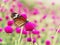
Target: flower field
[[29, 22]]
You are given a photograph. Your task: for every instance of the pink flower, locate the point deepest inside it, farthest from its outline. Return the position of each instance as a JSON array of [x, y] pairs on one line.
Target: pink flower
[[56, 21], [52, 37], [8, 29], [10, 22], [53, 16], [14, 0], [35, 21], [24, 32], [35, 32], [5, 1], [29, 39], [12, 10], [2, 9], [53, 12], [58, 31], [44, 17], [7, 17], [18, 30], [26, 10], [44, 7], [38, 36], [1, 39], [43, 29], [47, 42], [35, 11], [40, 2], [24, 15], [0, 29], [53, 3], [29, 26], [34, 40], [19, 4], [1, 19]]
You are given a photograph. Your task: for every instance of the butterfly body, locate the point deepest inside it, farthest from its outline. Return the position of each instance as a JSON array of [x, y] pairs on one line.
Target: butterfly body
[[18, 19]]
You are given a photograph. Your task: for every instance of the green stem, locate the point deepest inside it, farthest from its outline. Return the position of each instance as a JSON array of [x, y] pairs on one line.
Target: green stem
[[15, 42], [56, 35], [19, 40]]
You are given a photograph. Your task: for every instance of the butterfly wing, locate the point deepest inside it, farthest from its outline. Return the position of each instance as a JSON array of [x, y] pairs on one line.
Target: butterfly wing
[[20, 21]]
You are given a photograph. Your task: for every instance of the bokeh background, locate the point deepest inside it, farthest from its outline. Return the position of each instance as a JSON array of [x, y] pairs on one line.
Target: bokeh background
[[45, 14]]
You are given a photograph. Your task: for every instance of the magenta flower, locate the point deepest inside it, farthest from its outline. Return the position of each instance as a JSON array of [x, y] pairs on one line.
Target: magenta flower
[[7, 17], [34, 40], [24, 15], [29, 39], [38, 36], [1, 39], [14, 0], [1, 19], [18, 30], [24, 32], [40, 2], [53, 12], [29, 26], [19, 4], [58, 31], [48, 42], [10, 22], [53, 17], [12, 10], [35, 11], [3, 9], [53, 3], [8, 29], [43, 29], [1, 29], [5, 1], [35, 32], [52, 37], [26, 10], [35, 21], [44, 17], [56, 21]]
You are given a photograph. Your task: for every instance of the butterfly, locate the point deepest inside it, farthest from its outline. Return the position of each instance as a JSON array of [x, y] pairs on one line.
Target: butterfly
[[19, 20]]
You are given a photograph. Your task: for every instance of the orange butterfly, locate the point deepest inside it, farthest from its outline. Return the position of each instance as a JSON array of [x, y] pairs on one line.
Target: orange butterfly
[[19, 20]]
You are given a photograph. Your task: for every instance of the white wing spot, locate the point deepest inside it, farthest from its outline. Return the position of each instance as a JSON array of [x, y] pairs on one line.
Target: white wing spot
[[15, 16]]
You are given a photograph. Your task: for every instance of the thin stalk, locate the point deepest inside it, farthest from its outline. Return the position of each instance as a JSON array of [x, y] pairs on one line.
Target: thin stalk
[[19, 40], [56, 35], [15, 42]]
